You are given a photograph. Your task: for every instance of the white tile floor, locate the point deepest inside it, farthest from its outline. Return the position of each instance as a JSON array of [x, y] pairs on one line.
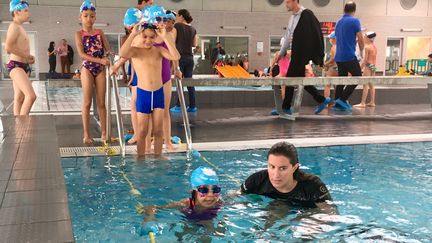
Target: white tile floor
[[66, 99]]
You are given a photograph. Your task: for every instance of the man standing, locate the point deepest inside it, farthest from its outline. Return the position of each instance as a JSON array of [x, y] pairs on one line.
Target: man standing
[[348, 33], [218, 50], [304, 38]]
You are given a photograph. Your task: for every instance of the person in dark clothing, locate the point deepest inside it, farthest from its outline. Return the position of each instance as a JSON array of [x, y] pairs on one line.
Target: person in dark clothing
[[70, 56], [348, 33], [218, 50], [284, 181], [52, 59], [186, 39], [304, 38]]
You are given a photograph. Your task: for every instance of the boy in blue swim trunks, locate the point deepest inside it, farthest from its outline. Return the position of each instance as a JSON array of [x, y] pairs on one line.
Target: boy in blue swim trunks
[[150, 95], [18, 47]]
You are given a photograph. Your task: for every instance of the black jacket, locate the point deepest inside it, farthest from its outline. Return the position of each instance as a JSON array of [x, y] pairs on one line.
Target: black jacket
[[307, 44], [70, 54]]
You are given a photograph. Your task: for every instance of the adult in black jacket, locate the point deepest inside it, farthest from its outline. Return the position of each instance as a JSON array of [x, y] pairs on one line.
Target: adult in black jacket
[[305, 38]]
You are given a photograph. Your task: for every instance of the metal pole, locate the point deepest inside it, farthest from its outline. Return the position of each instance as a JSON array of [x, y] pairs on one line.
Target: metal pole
[[119, 116], [108, 104], [185, 118]]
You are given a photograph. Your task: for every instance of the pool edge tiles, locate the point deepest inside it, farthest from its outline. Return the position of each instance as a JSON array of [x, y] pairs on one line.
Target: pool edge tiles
[[263, 144], [34, 207]]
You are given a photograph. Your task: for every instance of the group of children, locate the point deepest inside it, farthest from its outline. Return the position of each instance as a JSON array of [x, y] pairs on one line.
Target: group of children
[[149, 48]]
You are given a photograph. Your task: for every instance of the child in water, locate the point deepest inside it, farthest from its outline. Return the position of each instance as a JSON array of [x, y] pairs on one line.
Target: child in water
[[205, 200]]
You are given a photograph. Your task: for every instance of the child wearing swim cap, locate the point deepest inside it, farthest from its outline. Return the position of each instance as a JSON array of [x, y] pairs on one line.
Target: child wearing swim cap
[[91, 45], [369, 69], [132, 17], [147, 62], [205, 200], [18, 48]]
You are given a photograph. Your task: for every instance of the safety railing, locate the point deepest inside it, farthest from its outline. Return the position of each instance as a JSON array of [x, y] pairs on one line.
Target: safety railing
[[112, 87], [186, 124]]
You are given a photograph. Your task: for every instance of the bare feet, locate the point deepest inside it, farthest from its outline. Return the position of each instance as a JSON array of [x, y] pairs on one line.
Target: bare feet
[[170, 146], [87, 141], [361, 105], [132, 141], [371, 105]]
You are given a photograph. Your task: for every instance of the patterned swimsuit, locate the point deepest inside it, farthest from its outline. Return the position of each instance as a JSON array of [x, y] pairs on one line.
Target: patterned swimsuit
[[93, 46]]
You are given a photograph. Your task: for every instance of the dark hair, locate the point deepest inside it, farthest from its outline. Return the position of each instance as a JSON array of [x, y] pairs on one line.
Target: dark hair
[[350, 7], [430, 55], [186, 15], [126, 31], [289, 151], [51, 46], [140, 2]]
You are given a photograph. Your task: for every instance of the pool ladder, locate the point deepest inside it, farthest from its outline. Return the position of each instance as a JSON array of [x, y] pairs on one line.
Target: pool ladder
[[111, 83], [186, 124]]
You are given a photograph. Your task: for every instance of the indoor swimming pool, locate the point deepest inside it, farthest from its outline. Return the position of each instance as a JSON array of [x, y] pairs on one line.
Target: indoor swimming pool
[[382, 193]]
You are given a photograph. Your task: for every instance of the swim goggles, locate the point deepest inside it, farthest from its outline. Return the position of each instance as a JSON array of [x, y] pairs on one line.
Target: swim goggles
[[203, 190]]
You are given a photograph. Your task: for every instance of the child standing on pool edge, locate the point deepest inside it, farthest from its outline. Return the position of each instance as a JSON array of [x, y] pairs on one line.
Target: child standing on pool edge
[[150, 95], [18, 47], [91, 45]]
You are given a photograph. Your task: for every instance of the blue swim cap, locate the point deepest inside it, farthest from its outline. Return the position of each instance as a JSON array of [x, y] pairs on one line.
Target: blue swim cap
[[87, 5], [132, 17], [16, 5], [332, 35], [204, 176], [156, 13], [147, 16], [169, 14]]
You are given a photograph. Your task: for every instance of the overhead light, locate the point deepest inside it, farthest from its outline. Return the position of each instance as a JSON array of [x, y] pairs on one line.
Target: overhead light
[[411, 30], [233, 27], [58, 22], [10, 22]]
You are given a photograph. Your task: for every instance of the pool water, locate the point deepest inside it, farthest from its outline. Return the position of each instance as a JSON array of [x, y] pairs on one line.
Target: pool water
[[383, 194]]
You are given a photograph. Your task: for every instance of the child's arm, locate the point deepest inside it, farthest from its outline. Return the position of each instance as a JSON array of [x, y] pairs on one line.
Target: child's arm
[[117, 65], [150, 211], [83, 55], [126, 50], [10, 45], [105, 42], [172, 53]]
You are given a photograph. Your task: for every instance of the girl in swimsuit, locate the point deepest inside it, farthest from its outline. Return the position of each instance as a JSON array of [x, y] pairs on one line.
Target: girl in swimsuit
[[91, 45], [204, 203]]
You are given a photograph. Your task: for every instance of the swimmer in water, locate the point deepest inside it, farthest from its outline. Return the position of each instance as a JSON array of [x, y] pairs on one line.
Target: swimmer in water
[[205, 200]]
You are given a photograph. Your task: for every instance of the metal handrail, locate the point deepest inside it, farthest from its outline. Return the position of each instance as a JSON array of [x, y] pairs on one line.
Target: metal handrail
[[111, 83], [186, 124]]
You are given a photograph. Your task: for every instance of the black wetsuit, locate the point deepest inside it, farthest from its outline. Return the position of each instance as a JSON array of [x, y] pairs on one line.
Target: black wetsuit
[[308, 191]]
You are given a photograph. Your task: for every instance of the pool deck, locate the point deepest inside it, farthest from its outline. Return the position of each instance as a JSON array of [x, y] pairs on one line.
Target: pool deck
[[33, 197]]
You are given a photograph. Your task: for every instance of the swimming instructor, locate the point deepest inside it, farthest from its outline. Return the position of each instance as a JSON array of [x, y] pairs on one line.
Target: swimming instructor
[[283, 180]]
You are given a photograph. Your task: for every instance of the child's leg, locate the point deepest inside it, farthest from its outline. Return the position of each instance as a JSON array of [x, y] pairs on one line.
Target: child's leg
[[87, 89], [364, 97], [372, 95], [133, 140], [142, 130], [100, 83], [157, 116], [167, 118], [149, 135], [18, 99], [24, 86]]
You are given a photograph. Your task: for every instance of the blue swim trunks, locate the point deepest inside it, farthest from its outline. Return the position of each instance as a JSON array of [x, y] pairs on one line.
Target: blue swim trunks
[[134, 80], [147, 101]]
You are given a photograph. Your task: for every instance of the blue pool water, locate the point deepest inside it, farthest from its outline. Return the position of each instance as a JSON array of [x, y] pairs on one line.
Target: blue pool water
[[383, 194]]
